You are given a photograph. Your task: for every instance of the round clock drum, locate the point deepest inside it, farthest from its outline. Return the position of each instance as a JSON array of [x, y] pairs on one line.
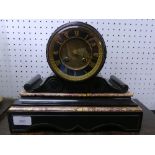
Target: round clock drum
[[76, 51]]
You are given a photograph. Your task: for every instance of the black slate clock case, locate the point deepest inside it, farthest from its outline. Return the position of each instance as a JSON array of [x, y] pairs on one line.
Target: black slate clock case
[[58, 104]]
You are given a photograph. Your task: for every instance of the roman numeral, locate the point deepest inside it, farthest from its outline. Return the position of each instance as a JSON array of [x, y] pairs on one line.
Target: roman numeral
[[86, 37], [55, 52], [91, 64], [65, 70], [58, 62], [76, 33], [59, 40], [74, 73], [88, 69], [93, 44], [85, 71], [94, 59], [66, 35], [95, 55]]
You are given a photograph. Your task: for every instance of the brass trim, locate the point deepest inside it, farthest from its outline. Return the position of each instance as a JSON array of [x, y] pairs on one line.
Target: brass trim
[[72, 109], [128, 94]]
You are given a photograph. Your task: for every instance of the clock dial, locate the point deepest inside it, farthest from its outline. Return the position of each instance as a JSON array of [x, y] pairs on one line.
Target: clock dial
[[75, 54], [76, 51]]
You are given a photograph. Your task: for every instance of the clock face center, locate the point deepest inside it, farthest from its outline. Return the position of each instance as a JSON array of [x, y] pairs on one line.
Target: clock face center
[[75, 53]]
